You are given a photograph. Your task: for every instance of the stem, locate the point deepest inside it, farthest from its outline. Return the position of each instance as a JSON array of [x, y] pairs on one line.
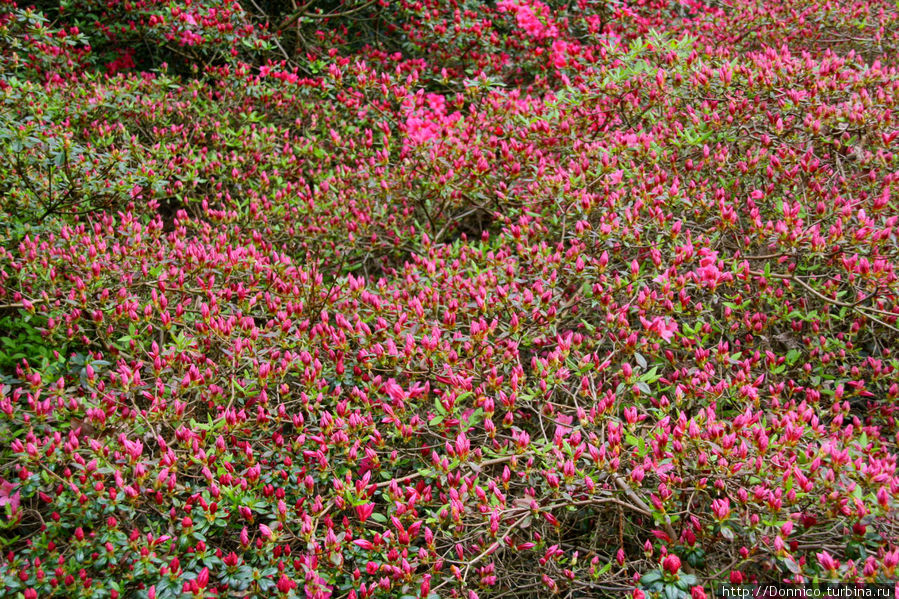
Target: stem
[[642, 504], [864, 311]]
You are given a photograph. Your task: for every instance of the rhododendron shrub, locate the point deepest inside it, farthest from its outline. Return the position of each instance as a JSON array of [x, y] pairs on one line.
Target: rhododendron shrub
[[447, 299]]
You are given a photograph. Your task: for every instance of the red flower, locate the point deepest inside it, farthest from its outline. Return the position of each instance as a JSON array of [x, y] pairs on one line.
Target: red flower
[[671, 563], [285, 584], [231, 559]]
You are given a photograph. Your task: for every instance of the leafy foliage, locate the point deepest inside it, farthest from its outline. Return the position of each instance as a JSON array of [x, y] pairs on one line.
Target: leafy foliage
[[447, 298]]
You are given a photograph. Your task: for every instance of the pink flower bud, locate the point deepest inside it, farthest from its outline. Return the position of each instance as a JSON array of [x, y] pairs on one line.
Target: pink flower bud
[[203, 578], [364, 511], [827, 561]]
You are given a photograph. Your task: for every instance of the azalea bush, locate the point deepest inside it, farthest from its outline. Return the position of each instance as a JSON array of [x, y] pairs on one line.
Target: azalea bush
[[447, 299]]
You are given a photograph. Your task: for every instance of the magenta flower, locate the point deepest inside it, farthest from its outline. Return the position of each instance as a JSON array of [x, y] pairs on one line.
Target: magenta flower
[[203, 578], [721, 508], [9, 498], [363, 511], [827, 561]]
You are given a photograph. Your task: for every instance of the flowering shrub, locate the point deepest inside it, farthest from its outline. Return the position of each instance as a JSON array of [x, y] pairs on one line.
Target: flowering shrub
[[512, 299]]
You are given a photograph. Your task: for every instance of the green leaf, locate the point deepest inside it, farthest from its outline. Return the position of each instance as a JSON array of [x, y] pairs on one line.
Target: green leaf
[[475, 417], [379, 517], [672, 592], [635, 441], [651, 577], [792, 566]]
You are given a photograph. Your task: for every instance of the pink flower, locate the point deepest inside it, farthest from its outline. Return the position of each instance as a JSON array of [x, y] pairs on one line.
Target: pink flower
[[394, 391], [827, 561], [7, 497], [560, 54], [721, 508], [665, 328], [526, 15], [463, 445], [367, 545], [265, 530]]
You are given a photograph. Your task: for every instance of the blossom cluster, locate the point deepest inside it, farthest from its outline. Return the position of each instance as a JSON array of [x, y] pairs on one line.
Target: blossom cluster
[[446, 299]]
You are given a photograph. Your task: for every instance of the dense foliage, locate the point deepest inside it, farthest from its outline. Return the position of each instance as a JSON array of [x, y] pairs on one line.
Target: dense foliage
[[447, 298]]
